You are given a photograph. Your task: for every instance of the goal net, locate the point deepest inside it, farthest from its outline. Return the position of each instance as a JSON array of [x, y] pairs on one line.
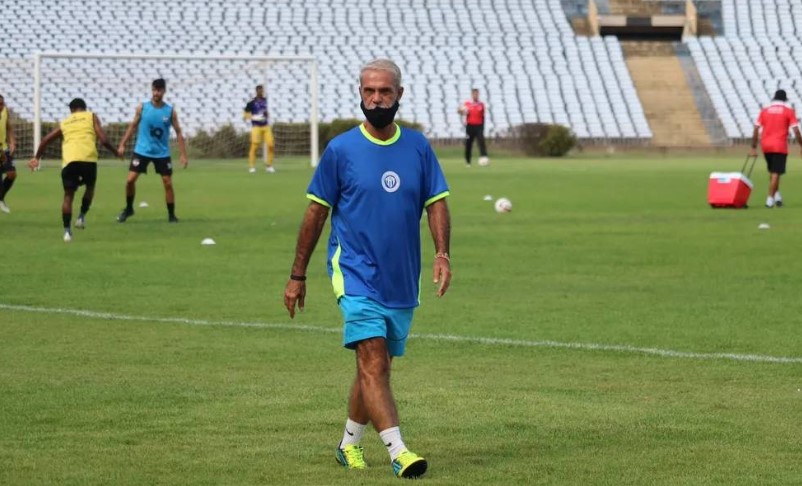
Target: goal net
[[209, 94]]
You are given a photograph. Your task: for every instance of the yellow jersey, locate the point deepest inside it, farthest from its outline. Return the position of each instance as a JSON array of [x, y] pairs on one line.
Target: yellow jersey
[[3, 126], [79, 144]]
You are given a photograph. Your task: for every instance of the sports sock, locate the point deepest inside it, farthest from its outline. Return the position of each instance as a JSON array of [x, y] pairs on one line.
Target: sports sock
[[7, 183], [66, 218], [129, 203], [171, 209], [391, 438], [769, 201], [85, 203], [252, 155], [777, 196], [353, 433]]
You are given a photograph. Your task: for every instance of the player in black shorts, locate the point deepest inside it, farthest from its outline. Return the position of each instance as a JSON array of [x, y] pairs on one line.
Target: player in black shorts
[[7, 147], [80, 131]]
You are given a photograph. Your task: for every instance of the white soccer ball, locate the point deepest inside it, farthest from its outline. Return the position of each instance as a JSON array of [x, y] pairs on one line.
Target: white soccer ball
[[503, 205], [484, 161]]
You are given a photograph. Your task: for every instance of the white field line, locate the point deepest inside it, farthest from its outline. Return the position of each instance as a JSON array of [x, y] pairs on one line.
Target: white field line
[[487, 341]]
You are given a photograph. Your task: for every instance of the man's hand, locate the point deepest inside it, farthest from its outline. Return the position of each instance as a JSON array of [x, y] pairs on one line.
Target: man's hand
[[442, 274], [294, 292], [184, 161], [753, 152], [33, 164], [12, 147]]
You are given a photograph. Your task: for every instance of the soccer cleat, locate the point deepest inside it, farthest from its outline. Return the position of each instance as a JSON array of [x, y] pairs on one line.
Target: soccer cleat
[[252, 170], [409, 465], [67, 236], [351, 457], [4, 208], [125, 214], [172, 219], [270, 169], [778, 203], [80, 222]]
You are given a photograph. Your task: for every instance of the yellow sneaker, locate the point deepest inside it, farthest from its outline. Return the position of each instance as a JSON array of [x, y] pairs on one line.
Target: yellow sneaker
[[409, 465], [352, 457]]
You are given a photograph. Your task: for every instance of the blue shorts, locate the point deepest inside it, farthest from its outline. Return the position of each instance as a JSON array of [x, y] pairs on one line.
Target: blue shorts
[[365, 318]]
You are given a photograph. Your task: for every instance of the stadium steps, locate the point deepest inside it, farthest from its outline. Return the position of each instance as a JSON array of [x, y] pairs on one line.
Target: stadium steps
[[715, 129], [581, 26], [636, 8], [667, 100]]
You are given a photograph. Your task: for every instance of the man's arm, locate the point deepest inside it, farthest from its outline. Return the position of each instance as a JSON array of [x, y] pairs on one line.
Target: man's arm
[[11, 136], [34, 162], [182, 146], [440, 226], [311, 228], [130, 130], [798, 136], [247, 113], [755, 136], [101, 135]]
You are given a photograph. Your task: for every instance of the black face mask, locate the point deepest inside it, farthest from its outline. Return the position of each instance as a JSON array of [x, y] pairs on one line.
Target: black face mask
[[379, 117]]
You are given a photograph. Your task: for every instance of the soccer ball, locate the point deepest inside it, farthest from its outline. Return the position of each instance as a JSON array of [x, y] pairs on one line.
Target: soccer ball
[[484, 161], [503, 205]]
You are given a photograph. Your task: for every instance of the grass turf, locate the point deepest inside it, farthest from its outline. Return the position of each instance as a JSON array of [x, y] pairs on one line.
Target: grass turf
[[598, 250]]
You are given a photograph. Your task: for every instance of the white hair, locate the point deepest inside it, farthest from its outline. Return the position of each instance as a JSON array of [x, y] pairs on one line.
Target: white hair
[[382, 65]]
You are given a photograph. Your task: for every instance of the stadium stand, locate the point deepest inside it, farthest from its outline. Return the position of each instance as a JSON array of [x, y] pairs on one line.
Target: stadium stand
[[758, 54], [521, 54]]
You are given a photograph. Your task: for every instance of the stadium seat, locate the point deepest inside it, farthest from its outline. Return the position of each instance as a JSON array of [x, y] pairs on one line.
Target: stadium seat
[[522, 55]]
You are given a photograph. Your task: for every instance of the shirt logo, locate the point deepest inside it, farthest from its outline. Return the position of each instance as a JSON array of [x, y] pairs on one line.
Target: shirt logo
[[390, 181]]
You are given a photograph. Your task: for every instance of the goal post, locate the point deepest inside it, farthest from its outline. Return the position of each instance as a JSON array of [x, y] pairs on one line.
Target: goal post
[[209, 92]]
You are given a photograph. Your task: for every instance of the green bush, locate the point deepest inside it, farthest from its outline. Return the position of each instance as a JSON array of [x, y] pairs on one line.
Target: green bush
[[544, 139], [221, 143], [558, 141]]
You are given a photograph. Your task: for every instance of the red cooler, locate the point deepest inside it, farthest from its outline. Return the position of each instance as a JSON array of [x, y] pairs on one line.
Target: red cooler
[[730, 189]]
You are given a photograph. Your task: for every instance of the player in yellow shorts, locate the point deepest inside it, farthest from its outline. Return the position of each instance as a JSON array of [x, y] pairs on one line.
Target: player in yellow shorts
[[256, 112]]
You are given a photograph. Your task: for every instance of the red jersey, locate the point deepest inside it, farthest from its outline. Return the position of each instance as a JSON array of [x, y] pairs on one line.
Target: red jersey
[[475, 112], [776, 120]]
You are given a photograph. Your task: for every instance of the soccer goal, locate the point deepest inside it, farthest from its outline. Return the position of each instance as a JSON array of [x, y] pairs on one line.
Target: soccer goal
[[209, 93]]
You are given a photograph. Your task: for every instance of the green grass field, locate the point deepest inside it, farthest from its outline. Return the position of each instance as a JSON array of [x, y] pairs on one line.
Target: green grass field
[[612, 329]]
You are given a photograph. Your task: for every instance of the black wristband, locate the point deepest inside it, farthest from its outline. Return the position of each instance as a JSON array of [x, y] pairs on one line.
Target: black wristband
[[298, 278]]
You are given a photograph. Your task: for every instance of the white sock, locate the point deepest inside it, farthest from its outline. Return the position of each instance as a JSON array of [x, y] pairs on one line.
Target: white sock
[[777, 196], [353, 433], [769, 201], [391, 438]]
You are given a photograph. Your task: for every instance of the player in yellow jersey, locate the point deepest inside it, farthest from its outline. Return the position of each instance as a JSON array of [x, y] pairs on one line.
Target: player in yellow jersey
[[7, 148], [256, 112], [80, 131]]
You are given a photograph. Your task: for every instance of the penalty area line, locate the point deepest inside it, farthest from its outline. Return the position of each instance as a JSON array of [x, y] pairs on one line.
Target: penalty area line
[[487, 341]]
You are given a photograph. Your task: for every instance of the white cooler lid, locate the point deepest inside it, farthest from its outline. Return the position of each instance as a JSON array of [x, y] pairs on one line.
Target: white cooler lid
[[725, 177]]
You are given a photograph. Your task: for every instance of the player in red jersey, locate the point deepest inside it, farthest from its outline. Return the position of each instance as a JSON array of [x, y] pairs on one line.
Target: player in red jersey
[[474, 112], [775, 120]]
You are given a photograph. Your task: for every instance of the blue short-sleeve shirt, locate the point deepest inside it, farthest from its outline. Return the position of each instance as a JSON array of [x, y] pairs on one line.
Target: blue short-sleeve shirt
[[377, 191]]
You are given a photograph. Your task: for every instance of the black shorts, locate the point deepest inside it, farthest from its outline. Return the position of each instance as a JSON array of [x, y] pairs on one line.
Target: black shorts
[[8, 163], [139, 163], [77, 174], [775, 162]]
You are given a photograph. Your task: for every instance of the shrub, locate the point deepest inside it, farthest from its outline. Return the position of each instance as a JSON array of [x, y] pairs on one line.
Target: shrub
[[220, 143], [543, 139], [558, 141]]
